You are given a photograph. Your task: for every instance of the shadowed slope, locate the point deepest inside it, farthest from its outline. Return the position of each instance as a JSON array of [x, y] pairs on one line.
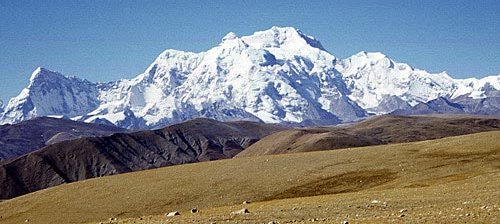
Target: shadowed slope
[[69, 161], [30, 135]]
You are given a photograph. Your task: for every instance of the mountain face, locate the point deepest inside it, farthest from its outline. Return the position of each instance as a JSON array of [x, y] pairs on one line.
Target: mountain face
[[27, 136], [277, 75], [83, 158], [51, 93], [440, 105], [487, 103]]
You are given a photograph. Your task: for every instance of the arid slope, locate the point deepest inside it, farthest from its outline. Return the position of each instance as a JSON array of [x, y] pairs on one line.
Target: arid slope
[[378, 130], [84, 158], [438, 175]]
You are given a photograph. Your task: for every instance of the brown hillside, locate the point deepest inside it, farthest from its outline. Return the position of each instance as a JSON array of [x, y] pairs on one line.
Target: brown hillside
[[84, 158], [429, 179], [27, 136], [375, 131]]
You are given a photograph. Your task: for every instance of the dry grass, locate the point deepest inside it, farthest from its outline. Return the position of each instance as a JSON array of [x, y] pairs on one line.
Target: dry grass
[[436, 181], [377, 130]]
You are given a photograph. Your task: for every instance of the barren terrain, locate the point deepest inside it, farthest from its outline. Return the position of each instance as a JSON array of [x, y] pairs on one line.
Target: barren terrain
[[455, 179]]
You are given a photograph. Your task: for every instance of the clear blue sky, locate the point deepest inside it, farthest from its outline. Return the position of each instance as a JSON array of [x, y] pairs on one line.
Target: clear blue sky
[[108, 40]]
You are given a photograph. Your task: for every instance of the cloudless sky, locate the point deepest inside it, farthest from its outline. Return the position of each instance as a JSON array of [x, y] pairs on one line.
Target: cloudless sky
[[109, 40]]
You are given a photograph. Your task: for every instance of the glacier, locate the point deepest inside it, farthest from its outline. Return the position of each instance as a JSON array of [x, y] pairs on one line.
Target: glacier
[[280, 75]]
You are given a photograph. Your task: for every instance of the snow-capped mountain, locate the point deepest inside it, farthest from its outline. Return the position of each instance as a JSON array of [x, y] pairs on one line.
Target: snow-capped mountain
[[51, 93], [276, 75]]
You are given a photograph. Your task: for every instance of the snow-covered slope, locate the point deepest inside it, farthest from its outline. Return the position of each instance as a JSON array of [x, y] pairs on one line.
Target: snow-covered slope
[[276, 75], [373, 79], [51, 93], [478, 88]]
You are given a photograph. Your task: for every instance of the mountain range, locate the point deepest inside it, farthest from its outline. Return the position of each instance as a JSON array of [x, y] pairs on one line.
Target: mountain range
[[280, 75]]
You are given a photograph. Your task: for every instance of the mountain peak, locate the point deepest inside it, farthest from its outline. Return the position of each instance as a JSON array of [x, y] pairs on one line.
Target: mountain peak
[[229, 36], [365, 59], [231, 40], [37, 72], [284, 30], [373, 55], [43, 73], [280, 36]]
